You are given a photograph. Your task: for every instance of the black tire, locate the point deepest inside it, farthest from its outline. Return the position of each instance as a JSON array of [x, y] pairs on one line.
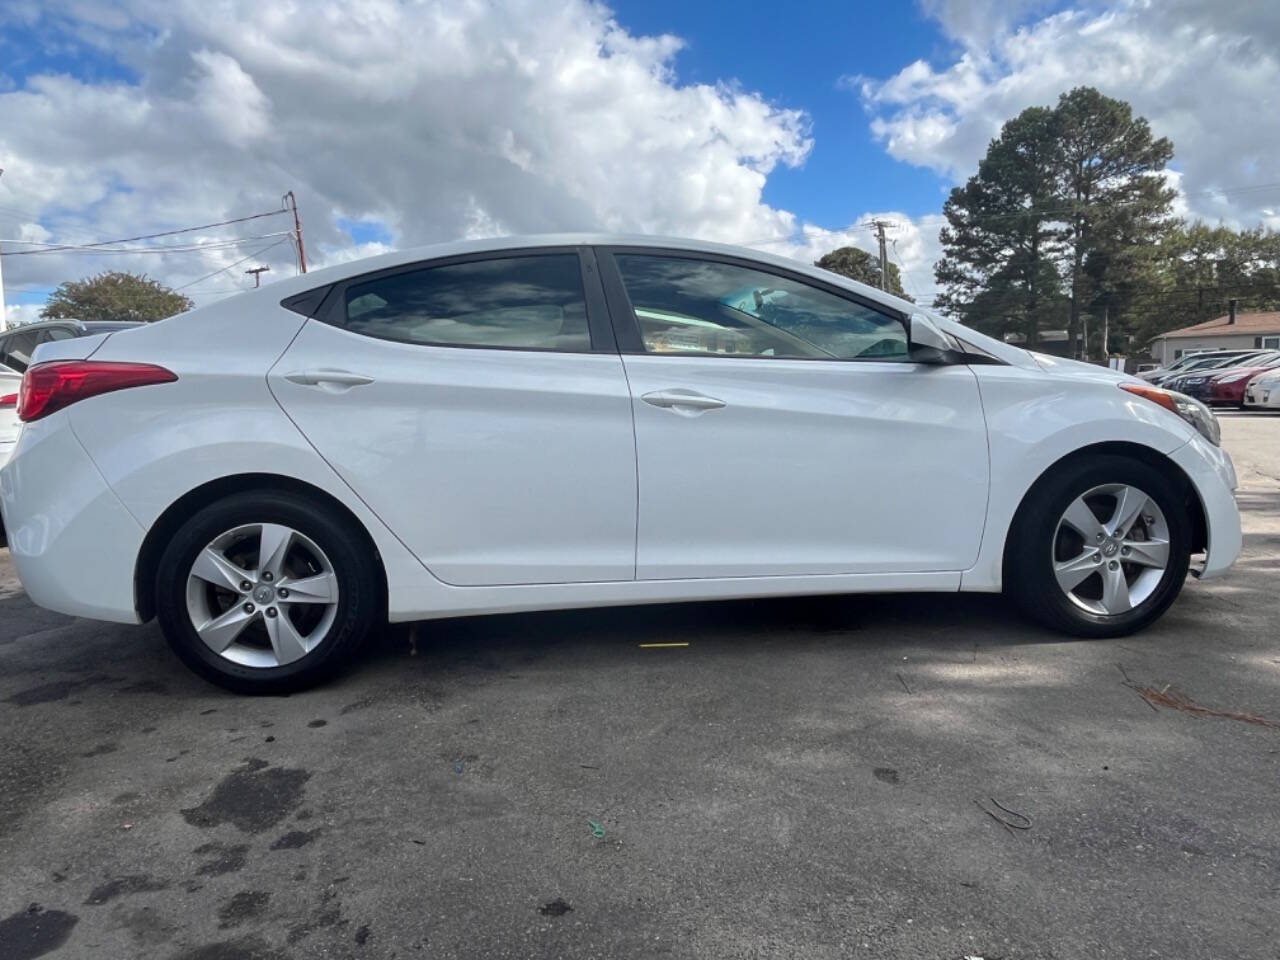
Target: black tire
[[359, 606], [1028, 570]]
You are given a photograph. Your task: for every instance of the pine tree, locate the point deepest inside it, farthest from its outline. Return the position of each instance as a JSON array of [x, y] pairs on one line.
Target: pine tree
[[1112, 194], [1001, 246]]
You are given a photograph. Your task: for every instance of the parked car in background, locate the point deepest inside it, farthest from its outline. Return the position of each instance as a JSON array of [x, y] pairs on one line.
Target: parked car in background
[[10, 382], [1227, 388], [1188, 362], [16, 347], [1262, 392], [503, 425], [1194, 381]]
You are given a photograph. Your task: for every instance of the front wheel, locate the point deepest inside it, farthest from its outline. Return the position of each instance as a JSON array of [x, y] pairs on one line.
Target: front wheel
[[266, 592], [1100, 548]]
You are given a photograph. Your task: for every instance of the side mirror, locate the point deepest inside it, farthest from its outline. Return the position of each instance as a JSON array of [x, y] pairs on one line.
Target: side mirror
[[927, 344]]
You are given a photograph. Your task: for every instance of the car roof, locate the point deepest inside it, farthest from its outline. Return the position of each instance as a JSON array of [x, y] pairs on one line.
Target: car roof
[[354, 268], [42, 325]]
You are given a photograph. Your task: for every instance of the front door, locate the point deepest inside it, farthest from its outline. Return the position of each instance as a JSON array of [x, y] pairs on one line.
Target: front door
[[781, 430], [470, 406]]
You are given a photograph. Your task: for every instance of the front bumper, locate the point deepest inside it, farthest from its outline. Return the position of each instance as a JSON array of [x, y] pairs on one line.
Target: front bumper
[[1213, 476], [1262, 395], [72, 541]]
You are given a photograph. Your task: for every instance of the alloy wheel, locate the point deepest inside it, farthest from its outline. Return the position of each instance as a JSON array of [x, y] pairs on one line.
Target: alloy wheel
[[262, 595], [1110, 549]]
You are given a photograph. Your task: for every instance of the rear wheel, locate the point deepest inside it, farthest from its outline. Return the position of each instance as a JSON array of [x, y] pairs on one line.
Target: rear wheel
[[1100, 548], [267, 593]]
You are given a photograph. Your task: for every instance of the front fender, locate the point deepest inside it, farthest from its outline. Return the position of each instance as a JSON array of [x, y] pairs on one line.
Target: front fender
[[1033, 421]]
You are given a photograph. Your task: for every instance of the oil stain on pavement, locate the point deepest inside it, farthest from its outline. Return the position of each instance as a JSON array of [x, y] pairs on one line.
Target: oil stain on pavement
[[253, 798]]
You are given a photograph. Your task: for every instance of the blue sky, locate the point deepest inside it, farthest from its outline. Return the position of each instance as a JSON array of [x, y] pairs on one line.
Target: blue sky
[[795, 59]]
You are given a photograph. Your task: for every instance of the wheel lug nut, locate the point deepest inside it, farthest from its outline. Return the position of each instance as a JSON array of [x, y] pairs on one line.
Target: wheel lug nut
[[1114, 565], [271, 611], [249, 608], [266, 575], [1097, 558], [282, 593], [1100, 538], [1124, 551], [246, 586]]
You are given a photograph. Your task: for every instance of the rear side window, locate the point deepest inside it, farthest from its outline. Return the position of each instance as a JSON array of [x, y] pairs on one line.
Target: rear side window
[[16, 350], [530, 303]]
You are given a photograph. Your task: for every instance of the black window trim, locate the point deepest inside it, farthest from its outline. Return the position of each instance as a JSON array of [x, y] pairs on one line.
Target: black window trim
[[627, 330], [332, 308]]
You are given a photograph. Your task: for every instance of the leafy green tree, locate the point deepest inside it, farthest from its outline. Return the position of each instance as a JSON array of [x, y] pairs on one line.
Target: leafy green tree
[[1001, 244], [857, 264], [1199, 269], [114, 296]]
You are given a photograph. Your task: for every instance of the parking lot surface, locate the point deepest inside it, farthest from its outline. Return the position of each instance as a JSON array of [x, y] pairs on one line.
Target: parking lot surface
[[871, 776]]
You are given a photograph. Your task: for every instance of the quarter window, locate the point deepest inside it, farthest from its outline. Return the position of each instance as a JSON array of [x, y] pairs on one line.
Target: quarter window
[[685, 305], [17, 349], [532, 303]]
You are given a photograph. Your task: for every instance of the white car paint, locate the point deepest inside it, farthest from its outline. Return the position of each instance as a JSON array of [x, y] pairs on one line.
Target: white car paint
[[543, 483], [10, 425], [826, 457], [495, 481], [1263, 391]]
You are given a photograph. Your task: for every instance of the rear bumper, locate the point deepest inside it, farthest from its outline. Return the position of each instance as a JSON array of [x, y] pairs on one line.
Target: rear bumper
[[1214, 478], [73, 543]]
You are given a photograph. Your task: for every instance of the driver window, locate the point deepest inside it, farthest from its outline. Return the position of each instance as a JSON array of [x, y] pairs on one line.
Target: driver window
[[693, 306]]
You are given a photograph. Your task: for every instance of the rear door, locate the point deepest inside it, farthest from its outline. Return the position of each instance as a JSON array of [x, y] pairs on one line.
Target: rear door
[[782, 430], [479, 406]]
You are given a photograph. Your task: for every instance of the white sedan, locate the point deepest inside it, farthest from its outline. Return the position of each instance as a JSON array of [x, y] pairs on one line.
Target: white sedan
[[581, 421], [1263, 391]]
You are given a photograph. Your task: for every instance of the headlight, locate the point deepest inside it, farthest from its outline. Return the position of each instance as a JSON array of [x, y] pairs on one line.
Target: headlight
[[1188, 408]]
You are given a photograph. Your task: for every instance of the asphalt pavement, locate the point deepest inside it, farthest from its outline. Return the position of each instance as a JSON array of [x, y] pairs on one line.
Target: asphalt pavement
[[913, 777]]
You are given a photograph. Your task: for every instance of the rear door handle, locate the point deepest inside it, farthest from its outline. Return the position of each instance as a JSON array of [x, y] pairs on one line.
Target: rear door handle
[[682, 401], [329, 378]]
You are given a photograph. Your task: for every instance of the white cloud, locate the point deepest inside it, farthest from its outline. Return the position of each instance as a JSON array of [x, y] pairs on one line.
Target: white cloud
[[20, 313], [1205, 74], [439, 121]]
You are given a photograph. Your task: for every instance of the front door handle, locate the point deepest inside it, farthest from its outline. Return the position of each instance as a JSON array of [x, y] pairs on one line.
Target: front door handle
[[682, 401], [328, 378]]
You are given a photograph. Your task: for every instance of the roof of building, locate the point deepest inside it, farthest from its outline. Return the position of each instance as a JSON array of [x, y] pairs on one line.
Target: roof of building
[[1265, 322]]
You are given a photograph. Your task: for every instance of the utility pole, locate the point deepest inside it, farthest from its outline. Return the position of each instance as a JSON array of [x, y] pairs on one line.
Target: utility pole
[[1106, 334], [297, 230], [884, 255], [257, 275]]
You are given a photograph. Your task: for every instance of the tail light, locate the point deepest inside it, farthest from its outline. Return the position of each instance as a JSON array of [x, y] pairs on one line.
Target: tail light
[[48, 387], [8, 400]]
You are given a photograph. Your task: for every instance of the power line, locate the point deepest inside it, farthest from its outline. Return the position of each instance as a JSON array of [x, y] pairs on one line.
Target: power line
[[152, 236], [94, 249], [229, 266]]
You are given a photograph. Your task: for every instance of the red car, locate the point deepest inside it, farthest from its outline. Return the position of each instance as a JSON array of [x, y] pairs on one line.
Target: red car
[[1227, 388]]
